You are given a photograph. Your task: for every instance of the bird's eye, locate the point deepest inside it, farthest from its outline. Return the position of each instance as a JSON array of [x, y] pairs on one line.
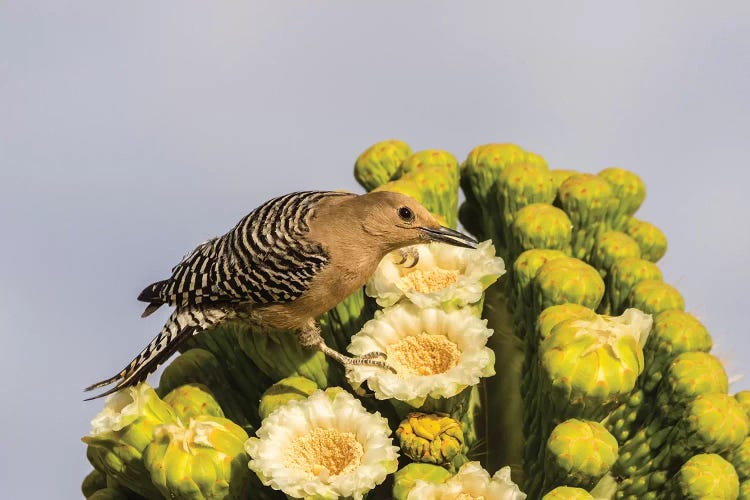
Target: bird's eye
[[406, 214]]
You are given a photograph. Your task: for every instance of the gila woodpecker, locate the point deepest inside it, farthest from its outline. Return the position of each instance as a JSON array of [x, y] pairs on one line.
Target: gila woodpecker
[[287, 262]]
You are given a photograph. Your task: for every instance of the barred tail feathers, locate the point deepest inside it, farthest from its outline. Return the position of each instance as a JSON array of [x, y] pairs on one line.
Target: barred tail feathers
[[181, 325]]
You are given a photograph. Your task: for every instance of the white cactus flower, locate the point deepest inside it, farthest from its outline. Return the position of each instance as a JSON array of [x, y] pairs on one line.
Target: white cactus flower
[[325, 446], [444, 274], [435, 353], [470, 482]]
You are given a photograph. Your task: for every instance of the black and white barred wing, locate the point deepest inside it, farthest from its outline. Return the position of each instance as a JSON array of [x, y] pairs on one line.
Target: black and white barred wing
[[265, 258]]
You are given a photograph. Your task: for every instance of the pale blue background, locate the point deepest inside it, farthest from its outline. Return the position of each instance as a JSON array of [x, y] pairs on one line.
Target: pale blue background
[[130, 131]]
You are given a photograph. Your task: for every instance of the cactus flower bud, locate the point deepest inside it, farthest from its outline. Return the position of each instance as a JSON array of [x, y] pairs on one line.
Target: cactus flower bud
[[611, 247], [568, 493], [740, 458], [629, 191], [655, 296], [377, 164], [540, 225], [674, 332], [567, 280], [202, 459], [283, 391], [191, 400], [650, 238], [579, 453], [706, 475], [95, 481], [431, 177], [430, 438], [743, 398], [522, 184], [590, 365], [108, 494], [405, 478], [690, 374], [554, 315], [588, 201], [121, 432], [624, 275]]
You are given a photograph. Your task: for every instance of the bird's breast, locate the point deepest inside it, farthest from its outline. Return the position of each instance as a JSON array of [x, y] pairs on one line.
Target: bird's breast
[[331, 285]]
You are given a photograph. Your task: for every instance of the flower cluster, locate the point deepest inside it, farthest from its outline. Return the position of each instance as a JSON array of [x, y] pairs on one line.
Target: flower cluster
[[574, 373]]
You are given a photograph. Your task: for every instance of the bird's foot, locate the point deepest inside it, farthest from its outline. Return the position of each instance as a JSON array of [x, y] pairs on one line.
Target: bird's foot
[[369, 360], [310, 338], [409, 257], [373, 355]]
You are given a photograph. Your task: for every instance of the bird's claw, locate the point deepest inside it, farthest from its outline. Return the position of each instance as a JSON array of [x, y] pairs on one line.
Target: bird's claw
[[373, 355], [406, 254], [369, 359]]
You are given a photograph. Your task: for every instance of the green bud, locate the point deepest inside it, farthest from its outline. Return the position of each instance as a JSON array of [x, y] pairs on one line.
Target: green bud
[[377, 164], [405, 478], [203, 459], [625, 274], [655, 296], [588, 201], [430, 438], [567, 280], [108, 494], [525, 269], [560, 175], [589, 366], [744, 490], [611, 247], [568, 493], [691, 374], [629, 191], [674, 332], [482, 167], [191, 400], [283, 391], [540, 225], [94, 481], [704, 476], [479, 175], [740, 458], [579, 453], [522, 184], [650, 238], [554, 315], [434, 176], [713, 423], [743, 398], [122, 430]]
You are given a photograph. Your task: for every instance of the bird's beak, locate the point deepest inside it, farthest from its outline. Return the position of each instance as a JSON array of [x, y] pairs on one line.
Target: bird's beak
[[444, 234]]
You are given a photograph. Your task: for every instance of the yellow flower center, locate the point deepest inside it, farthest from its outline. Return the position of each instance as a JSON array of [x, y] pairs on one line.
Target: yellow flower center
[[324, 450], [423, 354], [429, 280], [467, 496]]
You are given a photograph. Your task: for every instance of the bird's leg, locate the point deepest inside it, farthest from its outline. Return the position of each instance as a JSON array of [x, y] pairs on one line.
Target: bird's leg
[[408, 253], [310, 338]]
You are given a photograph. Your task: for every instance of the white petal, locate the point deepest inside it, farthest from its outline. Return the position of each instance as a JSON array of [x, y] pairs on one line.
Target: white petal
[[298, 418], [390, 326], [478, 268], [471, 479]]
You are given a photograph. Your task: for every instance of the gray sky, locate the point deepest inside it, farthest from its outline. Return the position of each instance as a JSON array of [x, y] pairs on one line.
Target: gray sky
[[131, 131]]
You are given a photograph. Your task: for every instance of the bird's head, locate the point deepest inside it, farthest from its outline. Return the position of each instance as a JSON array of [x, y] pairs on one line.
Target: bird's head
[[399, 220]]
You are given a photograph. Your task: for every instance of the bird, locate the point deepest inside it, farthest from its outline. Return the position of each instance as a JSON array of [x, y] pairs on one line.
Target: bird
[[284, 264]]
